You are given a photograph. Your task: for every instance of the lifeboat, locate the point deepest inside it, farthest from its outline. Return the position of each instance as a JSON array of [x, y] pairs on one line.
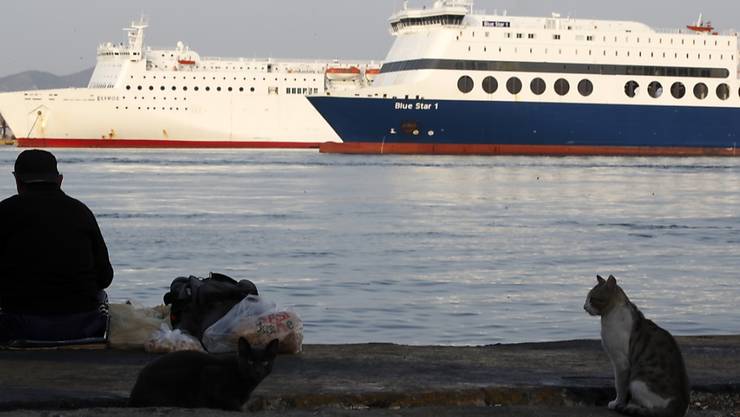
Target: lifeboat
[[186, 61], [701, 26], [371, 73], [343, 73]]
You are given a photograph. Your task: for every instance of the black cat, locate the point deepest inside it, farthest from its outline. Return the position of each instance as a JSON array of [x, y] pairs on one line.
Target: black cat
[[200, 380]]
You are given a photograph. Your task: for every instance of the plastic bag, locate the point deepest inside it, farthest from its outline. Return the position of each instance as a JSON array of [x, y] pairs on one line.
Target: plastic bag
[[259, 321], [166, 340], [132, 326]]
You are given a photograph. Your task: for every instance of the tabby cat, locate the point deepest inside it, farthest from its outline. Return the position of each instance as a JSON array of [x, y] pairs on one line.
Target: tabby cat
[[192, 379], [649, 371]]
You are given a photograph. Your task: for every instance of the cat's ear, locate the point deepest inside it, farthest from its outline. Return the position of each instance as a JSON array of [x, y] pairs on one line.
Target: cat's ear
[[601, 280], [244, 348], [611, 282], [272, 348]]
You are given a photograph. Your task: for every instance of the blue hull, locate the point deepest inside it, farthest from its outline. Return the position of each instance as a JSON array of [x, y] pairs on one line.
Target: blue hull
[[531, 125]]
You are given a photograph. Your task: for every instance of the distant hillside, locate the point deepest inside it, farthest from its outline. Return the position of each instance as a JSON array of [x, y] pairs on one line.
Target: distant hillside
[[38, 80]]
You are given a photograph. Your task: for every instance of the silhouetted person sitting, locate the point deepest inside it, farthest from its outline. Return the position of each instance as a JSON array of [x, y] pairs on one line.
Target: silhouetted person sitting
[[53, 260]]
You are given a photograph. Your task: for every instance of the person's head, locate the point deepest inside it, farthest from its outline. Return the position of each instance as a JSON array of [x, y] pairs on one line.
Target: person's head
[[35, 167]]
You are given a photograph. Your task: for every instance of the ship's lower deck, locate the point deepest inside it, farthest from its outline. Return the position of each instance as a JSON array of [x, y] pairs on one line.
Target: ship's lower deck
[[497, 127]]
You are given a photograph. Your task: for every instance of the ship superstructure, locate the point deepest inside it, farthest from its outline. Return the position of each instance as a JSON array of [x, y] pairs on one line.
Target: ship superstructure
[[139, 96], [460, 81]]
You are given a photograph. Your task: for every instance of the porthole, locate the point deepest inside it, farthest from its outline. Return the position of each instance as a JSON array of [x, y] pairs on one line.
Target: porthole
[[208, 88], [701, 91], [562, 87], [161, 88], [151, 88], [585, 87], [218, 88], [465, 84], [514, 85], [251, 89], [241, 89], [196, 88], [139, 88], [490, 85], [678, 90], [230, 89], [630, 89], [185, 88], [128, 87], [538, 86], [655, 89], [723, 91]]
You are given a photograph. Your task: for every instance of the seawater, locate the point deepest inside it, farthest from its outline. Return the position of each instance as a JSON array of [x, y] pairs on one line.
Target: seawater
[[422, 249]]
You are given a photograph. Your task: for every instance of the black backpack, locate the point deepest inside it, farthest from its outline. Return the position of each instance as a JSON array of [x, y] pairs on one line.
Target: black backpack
[[196, 303]]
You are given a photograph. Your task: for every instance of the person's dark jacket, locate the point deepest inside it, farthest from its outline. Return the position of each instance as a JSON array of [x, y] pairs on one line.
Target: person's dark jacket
[[53, 258]]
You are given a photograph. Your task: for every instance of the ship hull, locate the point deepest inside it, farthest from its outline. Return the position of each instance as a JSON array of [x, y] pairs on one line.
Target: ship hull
[[159, 143], [527, 128], [95, 118]]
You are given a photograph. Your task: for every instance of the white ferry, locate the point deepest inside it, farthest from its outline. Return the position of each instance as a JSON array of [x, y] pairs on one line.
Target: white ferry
[[144, 97], [457, 81]]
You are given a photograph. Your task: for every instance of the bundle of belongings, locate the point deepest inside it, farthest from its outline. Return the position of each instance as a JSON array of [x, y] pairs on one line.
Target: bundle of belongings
[[207, 314]]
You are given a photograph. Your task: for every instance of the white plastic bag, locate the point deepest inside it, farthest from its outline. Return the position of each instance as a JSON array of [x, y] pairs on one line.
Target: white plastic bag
[[131, 326], [259, 321], [166, 340]]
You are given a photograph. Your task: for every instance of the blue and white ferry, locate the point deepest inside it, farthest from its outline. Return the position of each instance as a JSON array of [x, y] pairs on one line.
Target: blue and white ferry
[[457, 81]]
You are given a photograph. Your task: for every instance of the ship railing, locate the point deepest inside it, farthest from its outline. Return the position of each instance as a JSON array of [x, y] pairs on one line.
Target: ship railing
[[288, 61]]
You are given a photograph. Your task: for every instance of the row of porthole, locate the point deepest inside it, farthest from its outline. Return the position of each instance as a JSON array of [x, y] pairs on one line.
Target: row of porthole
[[514, 86], [152, 108], [185, 88], [678, 90], [655, 89]]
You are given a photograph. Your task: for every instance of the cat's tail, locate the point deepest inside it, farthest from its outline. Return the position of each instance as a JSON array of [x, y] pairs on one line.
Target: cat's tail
[[674, 409]]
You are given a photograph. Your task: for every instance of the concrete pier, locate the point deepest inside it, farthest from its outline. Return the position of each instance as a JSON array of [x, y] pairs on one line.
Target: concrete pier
[[570, 378]]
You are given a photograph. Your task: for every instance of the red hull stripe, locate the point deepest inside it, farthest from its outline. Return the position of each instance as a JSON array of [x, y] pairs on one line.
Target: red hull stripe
[[151, 143], [549, 150]]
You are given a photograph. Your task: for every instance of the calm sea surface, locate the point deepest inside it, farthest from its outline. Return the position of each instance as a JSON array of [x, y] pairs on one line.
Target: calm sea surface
[[423, 250]]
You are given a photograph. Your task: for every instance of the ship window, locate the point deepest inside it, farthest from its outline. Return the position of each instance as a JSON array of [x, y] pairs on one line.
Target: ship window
[[241, 89], [161, 88], [701, 91], [562, 86], [538, 86], [251, 89], [490, 85], [230, 89], [514, 85], [585, 87], [655, 89], [174, 88], [218, 88], [630, 89], [197, 88], [518, 35], [128, 87], [465, 84], [208, 88], [678, 90], [723, 91], [139, 88], [185, 88], [556, 37], [151, 88]]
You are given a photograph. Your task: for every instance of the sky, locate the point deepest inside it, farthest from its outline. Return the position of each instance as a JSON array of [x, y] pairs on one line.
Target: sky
[[61, 36]]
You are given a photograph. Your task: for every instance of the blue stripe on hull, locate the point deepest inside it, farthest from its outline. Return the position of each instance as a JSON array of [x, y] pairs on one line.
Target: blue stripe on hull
[[374, 120]]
